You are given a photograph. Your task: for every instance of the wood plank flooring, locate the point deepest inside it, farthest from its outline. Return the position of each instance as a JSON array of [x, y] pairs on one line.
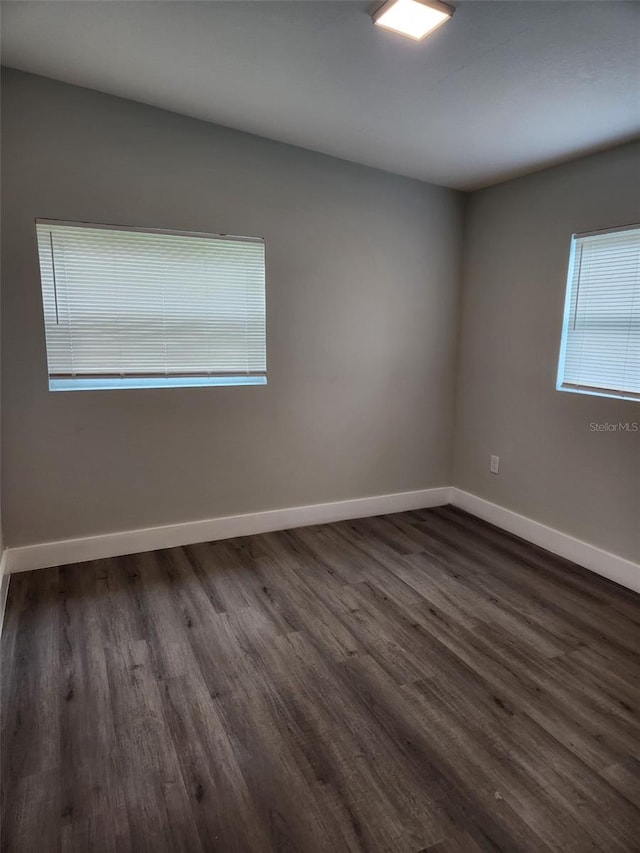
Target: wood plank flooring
[[413, 682]]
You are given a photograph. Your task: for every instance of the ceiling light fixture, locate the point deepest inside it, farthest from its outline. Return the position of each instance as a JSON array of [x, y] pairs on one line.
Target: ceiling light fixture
[[412, 18]]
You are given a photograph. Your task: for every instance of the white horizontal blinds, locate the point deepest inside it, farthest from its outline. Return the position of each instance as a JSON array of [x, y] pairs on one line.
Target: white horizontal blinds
[[134, 303], [602, 322]]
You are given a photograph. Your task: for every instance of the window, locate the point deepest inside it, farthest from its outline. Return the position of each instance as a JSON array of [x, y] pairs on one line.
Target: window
[[135, 308], [600, 350]]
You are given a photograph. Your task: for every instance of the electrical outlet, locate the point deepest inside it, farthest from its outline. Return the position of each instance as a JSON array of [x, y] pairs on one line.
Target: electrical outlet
[[495, 464]]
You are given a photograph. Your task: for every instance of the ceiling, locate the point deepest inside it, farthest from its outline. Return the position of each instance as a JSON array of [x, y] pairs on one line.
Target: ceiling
[[503, 89]]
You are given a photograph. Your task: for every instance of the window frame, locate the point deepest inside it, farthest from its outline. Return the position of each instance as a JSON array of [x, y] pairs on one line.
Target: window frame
[[138, 381], [591, 391]]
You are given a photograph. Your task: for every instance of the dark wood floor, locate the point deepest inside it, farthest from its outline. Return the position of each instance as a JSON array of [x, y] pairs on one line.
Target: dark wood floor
[[413, 682]]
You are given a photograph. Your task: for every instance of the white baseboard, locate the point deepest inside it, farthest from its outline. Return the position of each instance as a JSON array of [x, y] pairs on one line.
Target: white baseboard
[[617, 569], [4, 586], [59, 553], [41, 556]]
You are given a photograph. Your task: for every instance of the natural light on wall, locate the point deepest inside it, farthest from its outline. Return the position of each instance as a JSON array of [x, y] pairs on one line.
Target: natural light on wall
[[412, 18], [600, 349], [137, 308]]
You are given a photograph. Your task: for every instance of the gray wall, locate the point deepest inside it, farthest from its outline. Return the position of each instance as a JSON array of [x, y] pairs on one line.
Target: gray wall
[[554, 468], [362, 293]]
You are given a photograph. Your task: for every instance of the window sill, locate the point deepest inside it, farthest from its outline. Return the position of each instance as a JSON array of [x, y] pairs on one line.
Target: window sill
[[599, 392], [130, 383]]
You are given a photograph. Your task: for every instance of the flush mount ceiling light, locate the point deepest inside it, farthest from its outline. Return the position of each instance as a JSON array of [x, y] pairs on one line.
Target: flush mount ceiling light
[[412, 18]]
